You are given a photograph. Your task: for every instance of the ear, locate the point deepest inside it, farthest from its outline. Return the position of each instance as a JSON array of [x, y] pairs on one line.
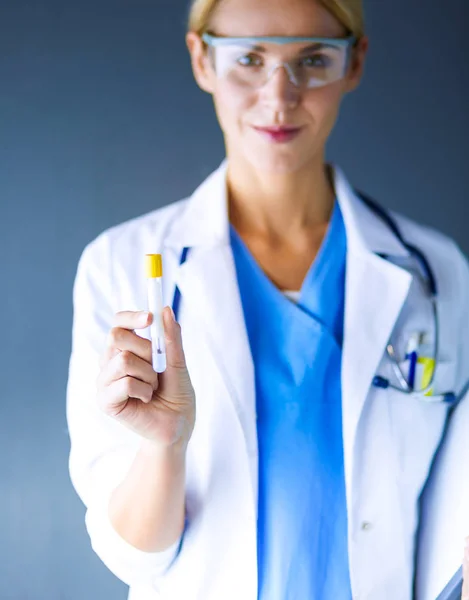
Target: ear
[[200, 60], [357, 64]]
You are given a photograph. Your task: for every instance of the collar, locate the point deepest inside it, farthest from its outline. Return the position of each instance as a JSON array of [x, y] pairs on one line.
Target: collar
[[205, 221]]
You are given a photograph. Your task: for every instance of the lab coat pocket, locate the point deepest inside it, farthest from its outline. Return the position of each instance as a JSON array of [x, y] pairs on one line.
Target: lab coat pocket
[[417, 423]]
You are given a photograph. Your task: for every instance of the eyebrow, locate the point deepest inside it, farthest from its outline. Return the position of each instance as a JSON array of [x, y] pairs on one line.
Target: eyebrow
[[310, 48], [317, 46]]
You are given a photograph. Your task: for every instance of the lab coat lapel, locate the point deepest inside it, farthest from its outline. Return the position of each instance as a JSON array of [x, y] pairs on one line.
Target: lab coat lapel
[[375, 293], [209, 289], [208, 278]]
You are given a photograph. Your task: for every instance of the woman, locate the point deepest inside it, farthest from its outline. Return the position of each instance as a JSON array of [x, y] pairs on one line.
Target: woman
[[280, 454]]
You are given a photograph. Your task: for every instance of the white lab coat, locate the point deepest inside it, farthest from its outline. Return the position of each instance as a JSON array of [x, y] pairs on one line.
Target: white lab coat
[[389, 438]]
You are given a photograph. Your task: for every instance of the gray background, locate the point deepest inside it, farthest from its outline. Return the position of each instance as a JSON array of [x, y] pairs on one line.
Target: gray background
[[100, 121]]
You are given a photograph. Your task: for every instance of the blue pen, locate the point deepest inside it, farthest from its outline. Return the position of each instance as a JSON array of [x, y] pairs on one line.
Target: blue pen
[[412, 356]]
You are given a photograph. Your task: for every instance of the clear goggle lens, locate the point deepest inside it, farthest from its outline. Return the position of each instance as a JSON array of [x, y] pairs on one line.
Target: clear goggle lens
[[242, 63]]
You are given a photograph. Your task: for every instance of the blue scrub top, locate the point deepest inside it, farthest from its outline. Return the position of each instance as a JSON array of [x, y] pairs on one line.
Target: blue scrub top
[[296, 349]]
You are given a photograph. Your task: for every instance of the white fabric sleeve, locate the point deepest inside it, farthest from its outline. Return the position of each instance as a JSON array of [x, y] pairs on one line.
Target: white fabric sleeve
[[102, 450]]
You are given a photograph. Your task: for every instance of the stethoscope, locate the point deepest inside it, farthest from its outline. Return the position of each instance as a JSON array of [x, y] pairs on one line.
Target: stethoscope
[[429, 282]]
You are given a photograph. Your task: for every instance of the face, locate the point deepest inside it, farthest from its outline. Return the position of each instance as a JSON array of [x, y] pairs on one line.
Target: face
[[250, 115]]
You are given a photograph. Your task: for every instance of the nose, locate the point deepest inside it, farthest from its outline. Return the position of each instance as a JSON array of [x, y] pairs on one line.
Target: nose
[[280, 89]]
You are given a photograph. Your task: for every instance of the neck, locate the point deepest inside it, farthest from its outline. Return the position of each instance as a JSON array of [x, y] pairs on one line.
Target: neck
[[279, 206]]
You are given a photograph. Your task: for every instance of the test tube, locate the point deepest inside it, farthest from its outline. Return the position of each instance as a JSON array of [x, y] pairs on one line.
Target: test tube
[[154, 269]]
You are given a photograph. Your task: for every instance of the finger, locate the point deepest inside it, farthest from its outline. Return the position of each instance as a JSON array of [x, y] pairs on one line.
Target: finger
[[113, 397], [173, 340], [108, 355], [127, 364], [121, 339], [128, 319]]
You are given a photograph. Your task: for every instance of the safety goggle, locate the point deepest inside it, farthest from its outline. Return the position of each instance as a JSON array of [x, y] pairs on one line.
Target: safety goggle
[[250, 62]]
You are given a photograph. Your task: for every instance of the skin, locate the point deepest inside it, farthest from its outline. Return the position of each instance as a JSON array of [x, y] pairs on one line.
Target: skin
[[280, 196], [147, 509], [280, 200]]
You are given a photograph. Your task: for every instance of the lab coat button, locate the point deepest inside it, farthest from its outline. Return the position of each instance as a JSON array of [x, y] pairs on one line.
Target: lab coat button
[[366, 526]]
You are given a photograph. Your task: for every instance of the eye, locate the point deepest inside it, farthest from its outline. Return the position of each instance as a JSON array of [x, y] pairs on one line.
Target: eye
[[249, 60], [316, 61]]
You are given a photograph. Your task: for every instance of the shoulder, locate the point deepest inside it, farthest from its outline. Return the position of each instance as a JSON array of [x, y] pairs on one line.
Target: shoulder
[[444, 255], [150, 226], [426, 237], [142, 234]]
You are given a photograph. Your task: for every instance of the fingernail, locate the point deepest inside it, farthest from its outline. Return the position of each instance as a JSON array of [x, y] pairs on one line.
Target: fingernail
[[173, 316]]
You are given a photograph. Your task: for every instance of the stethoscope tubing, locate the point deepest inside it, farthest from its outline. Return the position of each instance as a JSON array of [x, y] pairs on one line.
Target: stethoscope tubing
[[429, 277]]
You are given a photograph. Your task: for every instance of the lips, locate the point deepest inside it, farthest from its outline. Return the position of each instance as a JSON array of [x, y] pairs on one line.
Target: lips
[[283, 133], [282, 129]]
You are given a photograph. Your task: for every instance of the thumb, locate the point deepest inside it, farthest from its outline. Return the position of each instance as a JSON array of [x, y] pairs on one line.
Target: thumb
[[175, 358], [175, 384]]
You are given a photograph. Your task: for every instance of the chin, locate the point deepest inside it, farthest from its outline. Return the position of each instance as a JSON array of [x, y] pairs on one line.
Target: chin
[[276, 161]]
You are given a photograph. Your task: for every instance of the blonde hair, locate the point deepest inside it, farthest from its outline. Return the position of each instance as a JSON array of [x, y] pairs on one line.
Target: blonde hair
[[349, 12]]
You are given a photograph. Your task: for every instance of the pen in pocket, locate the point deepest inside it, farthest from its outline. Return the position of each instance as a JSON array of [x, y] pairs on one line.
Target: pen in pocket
[[412, 356]]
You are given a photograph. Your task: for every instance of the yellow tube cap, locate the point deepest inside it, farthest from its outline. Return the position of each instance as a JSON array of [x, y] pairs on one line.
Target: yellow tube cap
[[154, 265]]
